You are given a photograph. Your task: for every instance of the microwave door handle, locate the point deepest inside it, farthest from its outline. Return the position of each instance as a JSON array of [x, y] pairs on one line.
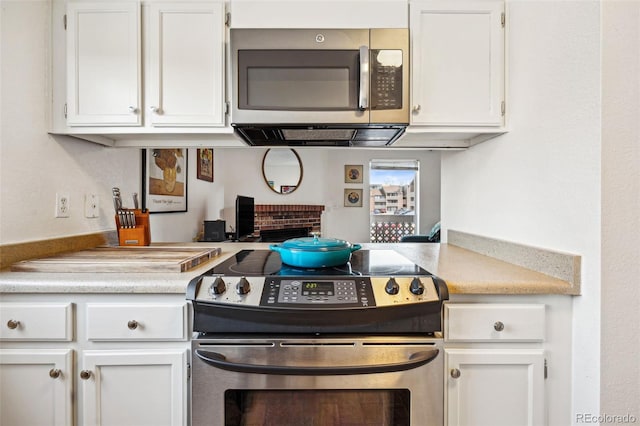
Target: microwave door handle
[[363, 98]]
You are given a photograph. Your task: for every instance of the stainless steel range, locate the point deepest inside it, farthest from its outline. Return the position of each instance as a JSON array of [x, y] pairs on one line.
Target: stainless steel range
[[355, 344]]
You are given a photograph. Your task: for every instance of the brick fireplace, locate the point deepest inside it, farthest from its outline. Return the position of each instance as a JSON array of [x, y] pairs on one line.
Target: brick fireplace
[[270, 217]]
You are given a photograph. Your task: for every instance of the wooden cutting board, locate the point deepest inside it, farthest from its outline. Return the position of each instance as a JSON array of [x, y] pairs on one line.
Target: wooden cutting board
[[121, 259]]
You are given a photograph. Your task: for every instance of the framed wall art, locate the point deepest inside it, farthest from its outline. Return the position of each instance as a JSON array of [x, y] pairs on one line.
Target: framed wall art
[[353, 173], [285, 189], [353, 197], [164, 180], [205, 164]]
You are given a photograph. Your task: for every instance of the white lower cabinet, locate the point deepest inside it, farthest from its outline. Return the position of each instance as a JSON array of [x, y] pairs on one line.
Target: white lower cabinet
[[36, 387], [123, 359], [494, 387], [103, 360], [134, 387], [495, 365]]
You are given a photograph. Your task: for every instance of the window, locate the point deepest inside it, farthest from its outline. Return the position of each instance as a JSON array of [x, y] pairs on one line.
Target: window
[[393, 191]]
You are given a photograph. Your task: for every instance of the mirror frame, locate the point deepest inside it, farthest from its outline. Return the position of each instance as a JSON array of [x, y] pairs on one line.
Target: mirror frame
[[264, 175]]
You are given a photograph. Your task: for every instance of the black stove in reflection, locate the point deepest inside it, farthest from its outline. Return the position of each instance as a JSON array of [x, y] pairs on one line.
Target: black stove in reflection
[[363, 263]]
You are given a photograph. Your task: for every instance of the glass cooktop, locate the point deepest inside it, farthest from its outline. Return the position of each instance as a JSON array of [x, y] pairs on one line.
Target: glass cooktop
[[363, 262]]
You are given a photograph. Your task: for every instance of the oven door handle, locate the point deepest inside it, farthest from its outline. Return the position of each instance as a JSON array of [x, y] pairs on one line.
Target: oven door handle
[[220, 361]]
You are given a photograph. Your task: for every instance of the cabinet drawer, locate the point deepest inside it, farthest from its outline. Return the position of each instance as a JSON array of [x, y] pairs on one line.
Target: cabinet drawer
[[110, 321], [36, 321], [494, 322]]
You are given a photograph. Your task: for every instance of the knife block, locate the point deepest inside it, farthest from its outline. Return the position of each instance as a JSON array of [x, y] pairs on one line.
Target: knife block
[[138, 236]]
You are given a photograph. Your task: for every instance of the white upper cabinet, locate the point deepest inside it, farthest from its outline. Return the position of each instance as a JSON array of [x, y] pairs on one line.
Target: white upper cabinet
[[183, 85], [141, 72], [458, 64], [103, 64], [319, 14], [185, 79]]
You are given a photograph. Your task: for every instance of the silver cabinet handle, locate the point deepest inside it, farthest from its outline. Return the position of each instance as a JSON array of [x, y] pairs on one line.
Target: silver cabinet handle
[[455, 373], [133, 324], [363, 98], [155, 110], [416, 108], [13, 324], [85, 374], [498, 326], [133, 110], [54, 373]]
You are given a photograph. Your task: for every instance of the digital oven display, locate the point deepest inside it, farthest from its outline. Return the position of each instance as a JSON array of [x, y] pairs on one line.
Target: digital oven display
[[343, 292], [317, 287]]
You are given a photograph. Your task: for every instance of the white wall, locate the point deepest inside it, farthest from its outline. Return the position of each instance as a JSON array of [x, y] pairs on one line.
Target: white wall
[[352, 223], [323, 183], [620, 374], [204, 200], [33, 165], [540, 183]]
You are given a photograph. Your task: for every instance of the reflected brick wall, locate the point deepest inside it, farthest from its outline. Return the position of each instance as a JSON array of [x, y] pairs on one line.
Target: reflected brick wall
[[284, 216]]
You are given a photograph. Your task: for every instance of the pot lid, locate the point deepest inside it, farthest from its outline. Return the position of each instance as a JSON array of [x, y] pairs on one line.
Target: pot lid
[[315, 244]]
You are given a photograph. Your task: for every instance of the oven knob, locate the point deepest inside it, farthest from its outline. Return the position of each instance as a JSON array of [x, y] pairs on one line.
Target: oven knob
[[416, 286], [218, 286], [392, 286], [243, 286]]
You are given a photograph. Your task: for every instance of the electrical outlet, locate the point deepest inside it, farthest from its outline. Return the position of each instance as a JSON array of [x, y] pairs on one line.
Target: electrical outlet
[[91, 206], [62, 205]]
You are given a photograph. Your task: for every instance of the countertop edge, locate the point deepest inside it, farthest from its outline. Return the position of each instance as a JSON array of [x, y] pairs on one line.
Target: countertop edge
[[465, 271], [563, 266]]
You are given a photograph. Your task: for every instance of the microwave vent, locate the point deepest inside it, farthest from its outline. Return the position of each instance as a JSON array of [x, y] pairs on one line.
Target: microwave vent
[[318, 134], [362, 135]]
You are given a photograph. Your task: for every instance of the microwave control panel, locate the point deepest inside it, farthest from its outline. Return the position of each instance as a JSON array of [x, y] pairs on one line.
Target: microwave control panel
[[386, 79]]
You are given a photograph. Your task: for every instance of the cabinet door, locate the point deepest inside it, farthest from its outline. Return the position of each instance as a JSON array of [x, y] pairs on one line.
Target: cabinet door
[[103, 64], [494, 387], [141, 387], [36, 387], [457, 63], [185, 85]]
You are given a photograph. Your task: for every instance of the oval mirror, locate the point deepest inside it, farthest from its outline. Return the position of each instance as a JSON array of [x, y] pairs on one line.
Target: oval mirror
[[282, 170]]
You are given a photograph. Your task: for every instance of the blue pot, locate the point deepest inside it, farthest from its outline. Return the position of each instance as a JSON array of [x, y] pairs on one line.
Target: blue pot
[[314, 252]]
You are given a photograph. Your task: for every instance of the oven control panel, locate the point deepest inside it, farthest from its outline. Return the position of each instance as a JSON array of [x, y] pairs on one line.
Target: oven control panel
[[328, 292], [317, 291]]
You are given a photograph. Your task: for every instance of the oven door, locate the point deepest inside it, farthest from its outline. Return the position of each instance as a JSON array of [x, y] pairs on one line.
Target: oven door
[[390, 381]]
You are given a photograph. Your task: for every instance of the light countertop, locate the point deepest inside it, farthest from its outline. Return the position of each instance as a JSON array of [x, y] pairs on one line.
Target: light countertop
[[465, 272]]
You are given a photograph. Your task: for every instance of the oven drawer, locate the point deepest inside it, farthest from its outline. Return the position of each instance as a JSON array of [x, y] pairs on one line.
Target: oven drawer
[[36, 321], [492, 322], [111, 321]]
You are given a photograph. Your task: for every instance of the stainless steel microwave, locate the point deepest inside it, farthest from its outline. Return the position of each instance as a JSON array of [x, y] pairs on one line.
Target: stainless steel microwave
[[320, 86]]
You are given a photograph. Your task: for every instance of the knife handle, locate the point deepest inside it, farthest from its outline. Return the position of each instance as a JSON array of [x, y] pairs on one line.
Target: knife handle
[[121, 219]]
